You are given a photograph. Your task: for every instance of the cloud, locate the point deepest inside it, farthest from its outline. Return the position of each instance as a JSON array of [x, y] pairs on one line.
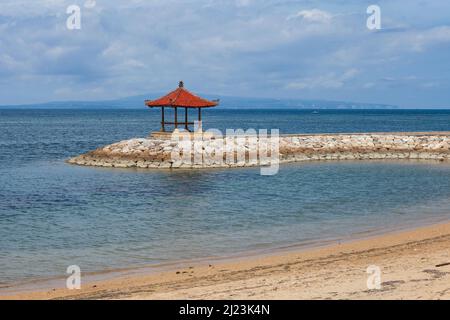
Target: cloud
[[415, 40], [240, 47], [243, 3], [368, 85], [433, 84], [313, 15], [431, 37], [328, 81]]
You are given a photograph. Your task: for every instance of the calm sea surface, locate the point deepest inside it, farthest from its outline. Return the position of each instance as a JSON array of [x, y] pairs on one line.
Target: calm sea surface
[[53, 215]]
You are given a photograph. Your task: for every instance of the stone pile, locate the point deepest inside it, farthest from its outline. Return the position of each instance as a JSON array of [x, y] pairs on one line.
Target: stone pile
[[238, 152]]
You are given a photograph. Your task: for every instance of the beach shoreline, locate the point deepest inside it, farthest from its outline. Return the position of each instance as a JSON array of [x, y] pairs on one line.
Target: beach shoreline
[[407, 259]]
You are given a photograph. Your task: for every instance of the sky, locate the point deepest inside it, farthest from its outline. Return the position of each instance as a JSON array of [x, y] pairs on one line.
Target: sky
[[307, 49]]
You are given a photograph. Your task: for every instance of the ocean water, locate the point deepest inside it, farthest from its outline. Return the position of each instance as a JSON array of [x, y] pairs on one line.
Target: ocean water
[[53, 215]]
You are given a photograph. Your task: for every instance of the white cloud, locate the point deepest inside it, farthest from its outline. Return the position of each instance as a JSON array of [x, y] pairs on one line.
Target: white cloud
[[243, 3], [25, 8], [313, 15], [431, 37], [328, 81], [368, 85], [432, 84], [10, 65], [238, 47], [417, 40]]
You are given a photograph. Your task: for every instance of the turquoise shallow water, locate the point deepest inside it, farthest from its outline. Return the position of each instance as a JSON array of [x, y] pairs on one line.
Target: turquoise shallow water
[[53, 215]]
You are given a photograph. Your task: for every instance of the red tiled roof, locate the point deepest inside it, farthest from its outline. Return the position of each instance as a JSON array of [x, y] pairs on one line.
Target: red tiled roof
[[181, 98]]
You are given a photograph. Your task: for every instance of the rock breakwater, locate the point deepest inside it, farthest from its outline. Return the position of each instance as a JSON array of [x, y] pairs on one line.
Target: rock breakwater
[[239, 151]]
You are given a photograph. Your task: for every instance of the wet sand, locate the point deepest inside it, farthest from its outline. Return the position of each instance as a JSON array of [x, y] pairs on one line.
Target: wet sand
[[414, 264]]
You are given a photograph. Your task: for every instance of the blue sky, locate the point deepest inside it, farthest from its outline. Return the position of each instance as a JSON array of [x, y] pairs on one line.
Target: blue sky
[[266, 48]]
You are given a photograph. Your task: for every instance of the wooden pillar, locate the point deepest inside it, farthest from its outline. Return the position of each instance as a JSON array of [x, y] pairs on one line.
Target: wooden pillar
[[163, 129], [186, 119], [176, 117], [200, 119]]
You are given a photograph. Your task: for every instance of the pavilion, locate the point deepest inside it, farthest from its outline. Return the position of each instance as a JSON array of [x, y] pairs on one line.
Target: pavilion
[[180, 98]]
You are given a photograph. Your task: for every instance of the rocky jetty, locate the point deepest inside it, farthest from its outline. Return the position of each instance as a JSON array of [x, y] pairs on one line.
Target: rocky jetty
[[241, 151]]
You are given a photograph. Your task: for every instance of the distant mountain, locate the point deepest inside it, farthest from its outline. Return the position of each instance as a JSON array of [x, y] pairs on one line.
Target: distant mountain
[[228, 102], [272, 103]]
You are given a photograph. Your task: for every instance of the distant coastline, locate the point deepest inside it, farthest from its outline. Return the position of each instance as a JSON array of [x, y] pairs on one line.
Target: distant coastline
[[226, 102]]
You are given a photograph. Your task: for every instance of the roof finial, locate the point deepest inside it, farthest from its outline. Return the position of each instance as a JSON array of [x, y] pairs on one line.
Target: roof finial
[[181, 84]]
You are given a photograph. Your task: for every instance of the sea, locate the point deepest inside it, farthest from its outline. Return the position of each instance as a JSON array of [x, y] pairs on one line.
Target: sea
[[54, 215]]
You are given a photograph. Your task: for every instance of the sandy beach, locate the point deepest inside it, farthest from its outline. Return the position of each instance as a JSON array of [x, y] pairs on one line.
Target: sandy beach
[[414, 264]]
